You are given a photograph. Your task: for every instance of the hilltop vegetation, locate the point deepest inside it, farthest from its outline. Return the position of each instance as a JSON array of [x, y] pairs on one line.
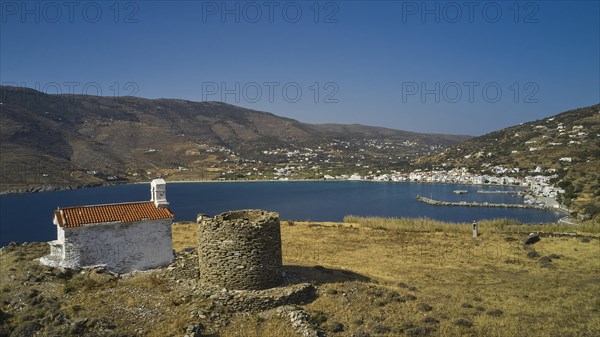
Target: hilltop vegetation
[[374, 277], [62, 140], [567, 144], [58, 141]]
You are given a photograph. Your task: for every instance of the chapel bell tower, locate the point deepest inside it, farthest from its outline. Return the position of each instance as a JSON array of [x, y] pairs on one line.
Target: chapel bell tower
[[158, 190]]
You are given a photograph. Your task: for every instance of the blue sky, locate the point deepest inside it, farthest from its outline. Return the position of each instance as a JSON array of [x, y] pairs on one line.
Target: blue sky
[[427, 66]]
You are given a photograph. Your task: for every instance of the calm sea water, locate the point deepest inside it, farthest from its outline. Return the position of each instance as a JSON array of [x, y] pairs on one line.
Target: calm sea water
[[28, 217]]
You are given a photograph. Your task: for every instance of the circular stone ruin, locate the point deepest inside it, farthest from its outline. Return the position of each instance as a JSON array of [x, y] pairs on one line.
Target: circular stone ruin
[[240, 250]]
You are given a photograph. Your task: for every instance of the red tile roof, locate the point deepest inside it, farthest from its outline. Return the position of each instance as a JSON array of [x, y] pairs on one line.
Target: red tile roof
[[126, 212]]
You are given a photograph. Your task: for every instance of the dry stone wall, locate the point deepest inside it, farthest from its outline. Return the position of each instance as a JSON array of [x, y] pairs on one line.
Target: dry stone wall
[[260, 300], [240, 250]]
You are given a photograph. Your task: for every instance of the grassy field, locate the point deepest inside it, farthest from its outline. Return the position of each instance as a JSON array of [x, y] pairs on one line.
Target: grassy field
[[497, 226], [433, 278], [374, 277]]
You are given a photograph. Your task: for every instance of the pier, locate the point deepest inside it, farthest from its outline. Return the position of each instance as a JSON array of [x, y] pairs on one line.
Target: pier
[[478, 204], [519, 193]]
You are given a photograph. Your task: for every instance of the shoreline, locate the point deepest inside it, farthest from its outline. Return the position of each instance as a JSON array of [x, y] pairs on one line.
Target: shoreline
[[513, 188], [54, 188], [42, 189]]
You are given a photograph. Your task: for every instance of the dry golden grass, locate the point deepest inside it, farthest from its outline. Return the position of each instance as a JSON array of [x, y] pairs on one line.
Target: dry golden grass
[[142, 304], [184, 235], [255, 326], [374, 275], [485, 226], [448, 268]]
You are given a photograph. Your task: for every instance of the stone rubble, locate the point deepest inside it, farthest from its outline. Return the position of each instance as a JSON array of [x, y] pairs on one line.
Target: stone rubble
[[300, 321]]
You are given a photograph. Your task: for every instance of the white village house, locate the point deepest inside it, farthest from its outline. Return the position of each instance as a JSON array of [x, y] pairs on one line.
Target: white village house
[[121, 237]]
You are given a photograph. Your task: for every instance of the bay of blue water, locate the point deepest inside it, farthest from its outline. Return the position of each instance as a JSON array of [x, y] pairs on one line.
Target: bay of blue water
[[28, 217]]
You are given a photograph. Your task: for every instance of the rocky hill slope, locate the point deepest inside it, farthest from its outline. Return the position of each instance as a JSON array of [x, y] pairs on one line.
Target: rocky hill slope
[[567, 144], [61, 140]]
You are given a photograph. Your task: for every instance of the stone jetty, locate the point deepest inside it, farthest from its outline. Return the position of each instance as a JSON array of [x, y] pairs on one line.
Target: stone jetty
[[519, 193], [478, 204]]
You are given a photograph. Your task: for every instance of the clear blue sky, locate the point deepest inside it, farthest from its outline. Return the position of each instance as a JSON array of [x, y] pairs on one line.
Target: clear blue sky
[[372, 60]]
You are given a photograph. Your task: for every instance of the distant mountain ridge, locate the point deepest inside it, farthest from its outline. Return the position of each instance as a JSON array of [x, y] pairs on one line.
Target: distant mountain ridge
[[80, 139]]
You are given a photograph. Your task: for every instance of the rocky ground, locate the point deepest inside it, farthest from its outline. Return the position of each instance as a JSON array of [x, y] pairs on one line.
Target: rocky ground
[[341, 281], [38, 300]]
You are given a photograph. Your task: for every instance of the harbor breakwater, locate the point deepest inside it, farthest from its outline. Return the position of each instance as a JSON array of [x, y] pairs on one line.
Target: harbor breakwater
[[481, 204]]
